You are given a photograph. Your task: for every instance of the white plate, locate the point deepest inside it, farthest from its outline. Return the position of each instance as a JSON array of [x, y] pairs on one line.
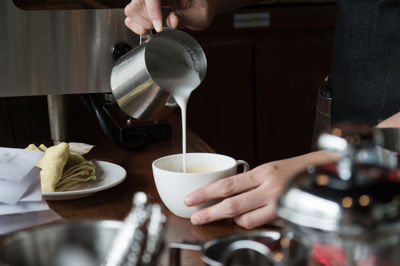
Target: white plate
[[108, 175]]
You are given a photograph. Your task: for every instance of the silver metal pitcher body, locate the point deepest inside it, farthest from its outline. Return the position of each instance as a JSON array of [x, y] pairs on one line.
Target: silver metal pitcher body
[[142, 79]]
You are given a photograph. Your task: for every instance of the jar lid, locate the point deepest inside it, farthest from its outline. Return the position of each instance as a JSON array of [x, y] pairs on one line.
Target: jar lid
[[359, 193], [320, 199]]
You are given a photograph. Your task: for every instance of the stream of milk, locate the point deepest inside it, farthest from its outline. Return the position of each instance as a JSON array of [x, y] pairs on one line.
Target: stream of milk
[[180, 78], [181, 96]]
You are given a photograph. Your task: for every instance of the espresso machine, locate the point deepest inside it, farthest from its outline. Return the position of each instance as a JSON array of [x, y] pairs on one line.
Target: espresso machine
[[56, 52]]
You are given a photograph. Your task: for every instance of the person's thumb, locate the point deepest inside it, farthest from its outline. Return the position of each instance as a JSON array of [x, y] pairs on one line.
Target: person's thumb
[[192, 18]]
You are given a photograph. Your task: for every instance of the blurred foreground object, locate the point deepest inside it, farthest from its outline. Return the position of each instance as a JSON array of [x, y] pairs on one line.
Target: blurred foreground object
[[136, 241], [346, 213]]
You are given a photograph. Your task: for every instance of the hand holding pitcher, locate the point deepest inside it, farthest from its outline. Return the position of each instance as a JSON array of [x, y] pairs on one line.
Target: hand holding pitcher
[[144, 15]]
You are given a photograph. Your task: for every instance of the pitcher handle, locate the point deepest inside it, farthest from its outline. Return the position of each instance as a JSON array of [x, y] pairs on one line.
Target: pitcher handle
[[250, 245], [145, 37], [165, 12], [175, 251]]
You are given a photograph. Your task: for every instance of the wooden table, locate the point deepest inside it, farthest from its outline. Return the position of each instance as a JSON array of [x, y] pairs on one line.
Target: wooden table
[[115, 203]]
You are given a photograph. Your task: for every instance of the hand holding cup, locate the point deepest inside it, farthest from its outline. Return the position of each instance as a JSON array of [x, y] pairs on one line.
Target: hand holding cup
[[202, 169]]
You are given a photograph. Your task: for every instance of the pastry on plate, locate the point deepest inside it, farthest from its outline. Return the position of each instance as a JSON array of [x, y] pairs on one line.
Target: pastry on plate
[[62, 168]]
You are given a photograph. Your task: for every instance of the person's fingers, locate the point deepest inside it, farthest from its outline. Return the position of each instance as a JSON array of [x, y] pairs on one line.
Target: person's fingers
[[195, 18], [144, 14], [139, 20], [131, 8], [231, 207], [153, 8], [222, 188], [137, 28], [172, 20], [257, 217], [136, 19]]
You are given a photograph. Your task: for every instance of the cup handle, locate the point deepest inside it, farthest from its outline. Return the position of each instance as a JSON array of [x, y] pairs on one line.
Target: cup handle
[[246, 166]]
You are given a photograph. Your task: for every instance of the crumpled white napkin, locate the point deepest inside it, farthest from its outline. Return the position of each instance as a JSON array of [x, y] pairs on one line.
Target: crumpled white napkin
[[15, 164], [12, 191]]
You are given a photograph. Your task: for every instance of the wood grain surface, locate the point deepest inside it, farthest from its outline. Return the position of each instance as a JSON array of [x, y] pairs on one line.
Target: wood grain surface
[[115, 203]]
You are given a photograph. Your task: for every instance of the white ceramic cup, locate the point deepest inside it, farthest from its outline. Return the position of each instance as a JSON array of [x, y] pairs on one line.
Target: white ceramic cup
[[173, 185]]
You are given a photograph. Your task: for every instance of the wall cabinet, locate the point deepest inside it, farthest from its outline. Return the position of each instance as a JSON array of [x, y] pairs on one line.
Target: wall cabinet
[[258, 99], [221, 109], [291, 71]]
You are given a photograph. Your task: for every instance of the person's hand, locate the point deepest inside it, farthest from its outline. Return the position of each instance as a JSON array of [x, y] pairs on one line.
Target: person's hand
[[144, 15], [251, 198]]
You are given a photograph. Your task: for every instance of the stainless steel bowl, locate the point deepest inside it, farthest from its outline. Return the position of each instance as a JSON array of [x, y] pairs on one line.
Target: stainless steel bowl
[[81, 242]]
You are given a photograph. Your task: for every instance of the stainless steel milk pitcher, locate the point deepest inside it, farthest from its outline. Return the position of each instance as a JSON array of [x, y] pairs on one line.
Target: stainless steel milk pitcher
[[142, 79]]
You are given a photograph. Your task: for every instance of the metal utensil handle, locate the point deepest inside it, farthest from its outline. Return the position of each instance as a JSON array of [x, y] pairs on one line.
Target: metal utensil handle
[[175, 251], [155, 235], [140, 239], [247, 245], [128, 235]]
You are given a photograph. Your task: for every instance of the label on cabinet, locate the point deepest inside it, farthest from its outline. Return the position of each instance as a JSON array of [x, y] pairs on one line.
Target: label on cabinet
[[251, 20]]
